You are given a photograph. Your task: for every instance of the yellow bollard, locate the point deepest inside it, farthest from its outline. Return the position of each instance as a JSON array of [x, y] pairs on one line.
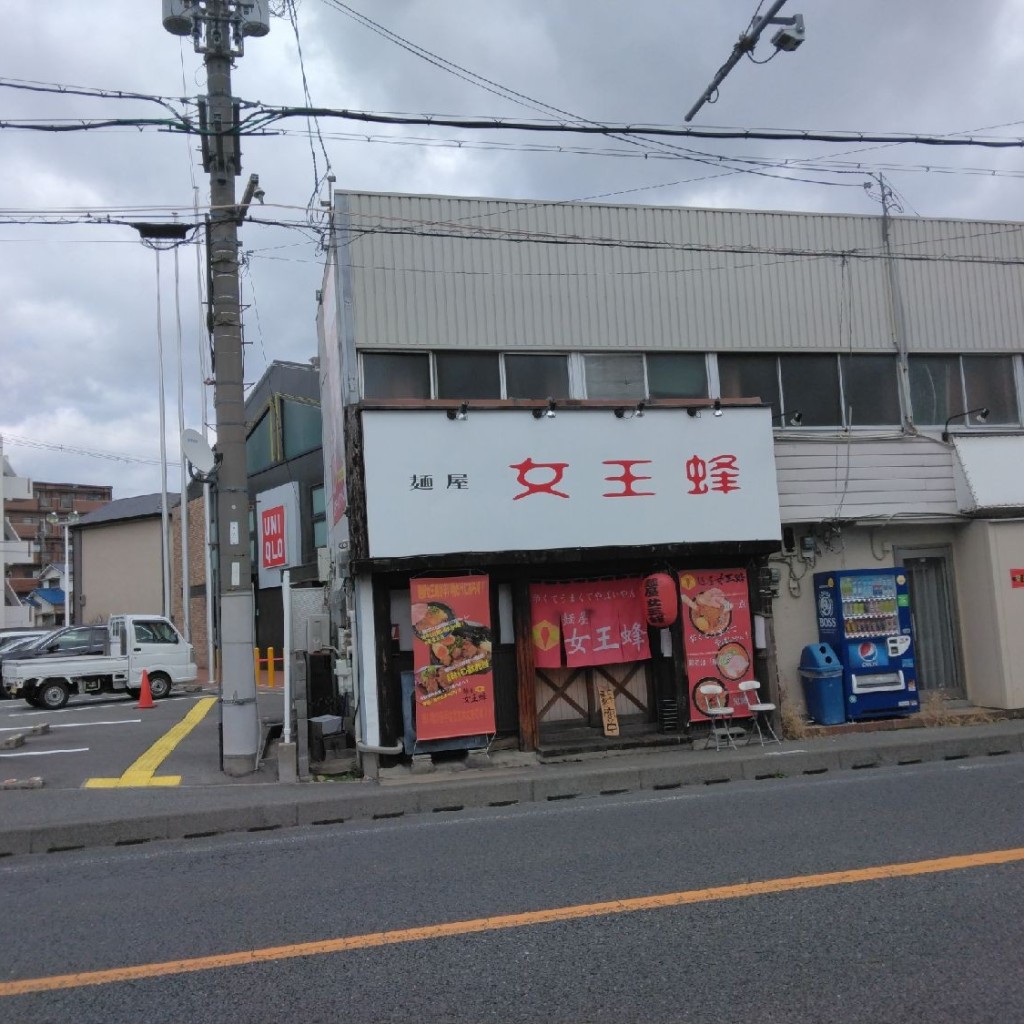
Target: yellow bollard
[[270, 667]]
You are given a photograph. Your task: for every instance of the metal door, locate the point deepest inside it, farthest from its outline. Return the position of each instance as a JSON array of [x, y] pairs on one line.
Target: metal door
[[933, 613]]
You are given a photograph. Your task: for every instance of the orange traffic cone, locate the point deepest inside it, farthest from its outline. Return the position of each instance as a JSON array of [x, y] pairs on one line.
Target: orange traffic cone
[[145, 693]]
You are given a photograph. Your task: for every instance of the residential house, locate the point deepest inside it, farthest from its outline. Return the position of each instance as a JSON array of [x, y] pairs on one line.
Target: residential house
[[118, 559]]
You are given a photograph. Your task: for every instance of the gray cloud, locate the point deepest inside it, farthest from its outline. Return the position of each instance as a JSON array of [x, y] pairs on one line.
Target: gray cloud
[[78, 341]]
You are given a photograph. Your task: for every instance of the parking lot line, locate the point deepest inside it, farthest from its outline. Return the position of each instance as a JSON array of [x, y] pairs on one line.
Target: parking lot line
[[89, 725], [43, 753], [142, 772]]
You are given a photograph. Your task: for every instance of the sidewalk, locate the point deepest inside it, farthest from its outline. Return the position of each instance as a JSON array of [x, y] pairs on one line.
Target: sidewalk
[[44, 820]]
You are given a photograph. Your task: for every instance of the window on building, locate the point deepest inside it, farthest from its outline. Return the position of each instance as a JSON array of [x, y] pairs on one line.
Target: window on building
[[943, 386], [536, 376], [827, 390], [259, 444], [67, 501], [301, 427], [677, 375], [318, 506], [44, 501], [468, 375], [810, 384], [988, 381], [870, 390], [615, 375], [396, 375], [751, 377], [935, 388]]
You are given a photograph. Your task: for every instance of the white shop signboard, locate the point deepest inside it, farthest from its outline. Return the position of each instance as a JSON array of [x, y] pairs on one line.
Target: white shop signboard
[[502, 480], [278, 533]]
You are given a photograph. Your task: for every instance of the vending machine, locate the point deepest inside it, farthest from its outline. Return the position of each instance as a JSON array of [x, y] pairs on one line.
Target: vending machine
[[864, 615]]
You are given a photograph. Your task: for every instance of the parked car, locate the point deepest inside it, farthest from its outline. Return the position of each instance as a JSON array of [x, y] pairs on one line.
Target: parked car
[[9, 638], [16, 645], [68, 641], [140, 646]]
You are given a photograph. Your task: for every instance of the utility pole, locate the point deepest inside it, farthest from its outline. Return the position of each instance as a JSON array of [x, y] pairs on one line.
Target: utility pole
[[218, 28], [898, 320]]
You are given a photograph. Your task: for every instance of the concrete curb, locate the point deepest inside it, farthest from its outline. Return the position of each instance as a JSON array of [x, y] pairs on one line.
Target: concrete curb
[[271, 808]]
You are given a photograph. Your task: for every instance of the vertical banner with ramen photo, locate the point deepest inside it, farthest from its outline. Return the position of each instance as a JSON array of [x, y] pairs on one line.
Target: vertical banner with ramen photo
[[451, 622], [716, 634]]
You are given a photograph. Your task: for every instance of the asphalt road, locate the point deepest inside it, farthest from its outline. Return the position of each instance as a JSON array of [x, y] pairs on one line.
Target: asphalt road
[[939, 943], [100, 737]]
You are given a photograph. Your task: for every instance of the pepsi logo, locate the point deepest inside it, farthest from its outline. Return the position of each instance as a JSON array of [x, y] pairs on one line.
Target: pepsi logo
[[867, 651]]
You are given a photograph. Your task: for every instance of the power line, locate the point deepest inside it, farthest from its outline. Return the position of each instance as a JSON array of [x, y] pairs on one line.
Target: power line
[[266, 115], [28, 442]]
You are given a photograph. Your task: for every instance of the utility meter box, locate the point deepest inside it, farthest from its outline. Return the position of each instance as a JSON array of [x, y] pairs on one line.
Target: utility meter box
[[318, 632]]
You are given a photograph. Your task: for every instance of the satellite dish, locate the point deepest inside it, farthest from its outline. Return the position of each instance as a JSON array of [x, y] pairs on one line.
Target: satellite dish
[[197, 451]]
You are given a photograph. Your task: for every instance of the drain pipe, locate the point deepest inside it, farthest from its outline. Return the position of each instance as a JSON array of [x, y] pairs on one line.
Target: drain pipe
[[368, 748]]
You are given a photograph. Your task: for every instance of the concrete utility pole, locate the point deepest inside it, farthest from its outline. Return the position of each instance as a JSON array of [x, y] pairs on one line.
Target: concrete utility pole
[[218, 28]]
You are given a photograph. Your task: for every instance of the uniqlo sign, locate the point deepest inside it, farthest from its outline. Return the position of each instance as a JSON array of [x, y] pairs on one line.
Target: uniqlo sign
[[273, 549]]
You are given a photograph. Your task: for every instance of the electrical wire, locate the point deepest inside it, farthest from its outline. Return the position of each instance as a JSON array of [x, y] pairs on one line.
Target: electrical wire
[[318, 180], [267, 115], [647, 145], [28, 442]]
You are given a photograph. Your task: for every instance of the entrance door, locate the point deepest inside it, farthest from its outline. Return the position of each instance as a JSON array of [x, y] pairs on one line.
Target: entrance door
[[936, 629]]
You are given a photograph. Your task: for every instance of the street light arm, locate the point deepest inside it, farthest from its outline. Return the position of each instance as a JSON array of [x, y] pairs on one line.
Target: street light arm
[[744, 44]]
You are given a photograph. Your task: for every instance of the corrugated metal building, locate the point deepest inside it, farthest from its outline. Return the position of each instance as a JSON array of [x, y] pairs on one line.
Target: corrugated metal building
[[875, 340]]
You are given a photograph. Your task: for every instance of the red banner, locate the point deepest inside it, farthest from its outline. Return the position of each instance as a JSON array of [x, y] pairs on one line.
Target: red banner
[[451, 622], [716, 634], [597, 623]]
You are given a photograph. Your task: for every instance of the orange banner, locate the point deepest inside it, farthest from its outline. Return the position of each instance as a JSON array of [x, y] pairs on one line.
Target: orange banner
[[716, 634], [451, 622]]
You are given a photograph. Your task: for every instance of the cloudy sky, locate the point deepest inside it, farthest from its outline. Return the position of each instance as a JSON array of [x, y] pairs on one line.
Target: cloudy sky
[[78, 331]]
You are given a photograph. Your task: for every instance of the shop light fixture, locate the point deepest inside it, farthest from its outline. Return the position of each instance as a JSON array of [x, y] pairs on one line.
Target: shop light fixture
[[462, 413], [980, 413], [717, 407], [793, 419], [548, 413], [620, 412]]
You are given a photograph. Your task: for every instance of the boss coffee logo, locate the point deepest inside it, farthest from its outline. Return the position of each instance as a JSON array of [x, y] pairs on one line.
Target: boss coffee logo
[[826, 610]]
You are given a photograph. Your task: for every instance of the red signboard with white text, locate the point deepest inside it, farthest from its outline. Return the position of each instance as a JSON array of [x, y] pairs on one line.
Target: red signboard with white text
[[451, 622], [717, 637], [273, 547], [588, 623]]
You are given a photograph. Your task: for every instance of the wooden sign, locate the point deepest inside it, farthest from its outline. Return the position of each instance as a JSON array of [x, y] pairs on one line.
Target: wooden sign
[[609, 716]]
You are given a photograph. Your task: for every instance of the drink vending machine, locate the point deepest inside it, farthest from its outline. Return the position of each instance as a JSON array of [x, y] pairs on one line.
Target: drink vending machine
[[864, 615]]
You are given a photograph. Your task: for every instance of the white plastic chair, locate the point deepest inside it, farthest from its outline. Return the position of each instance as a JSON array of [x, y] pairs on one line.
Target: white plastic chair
[[760, 710], [711, 701]]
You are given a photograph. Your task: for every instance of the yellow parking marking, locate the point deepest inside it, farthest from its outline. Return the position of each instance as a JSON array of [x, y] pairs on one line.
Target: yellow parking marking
[[143, 771], [491, 924]]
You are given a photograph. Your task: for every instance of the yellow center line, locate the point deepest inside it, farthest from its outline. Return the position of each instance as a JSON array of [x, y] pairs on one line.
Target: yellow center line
[[142, 772], [490, 924]]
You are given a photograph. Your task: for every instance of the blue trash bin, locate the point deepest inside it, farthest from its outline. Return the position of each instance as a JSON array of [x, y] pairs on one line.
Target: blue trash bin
[[822, 676]]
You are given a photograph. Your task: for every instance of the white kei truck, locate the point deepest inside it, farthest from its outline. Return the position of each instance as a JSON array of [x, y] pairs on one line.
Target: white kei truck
[[135, 643]]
